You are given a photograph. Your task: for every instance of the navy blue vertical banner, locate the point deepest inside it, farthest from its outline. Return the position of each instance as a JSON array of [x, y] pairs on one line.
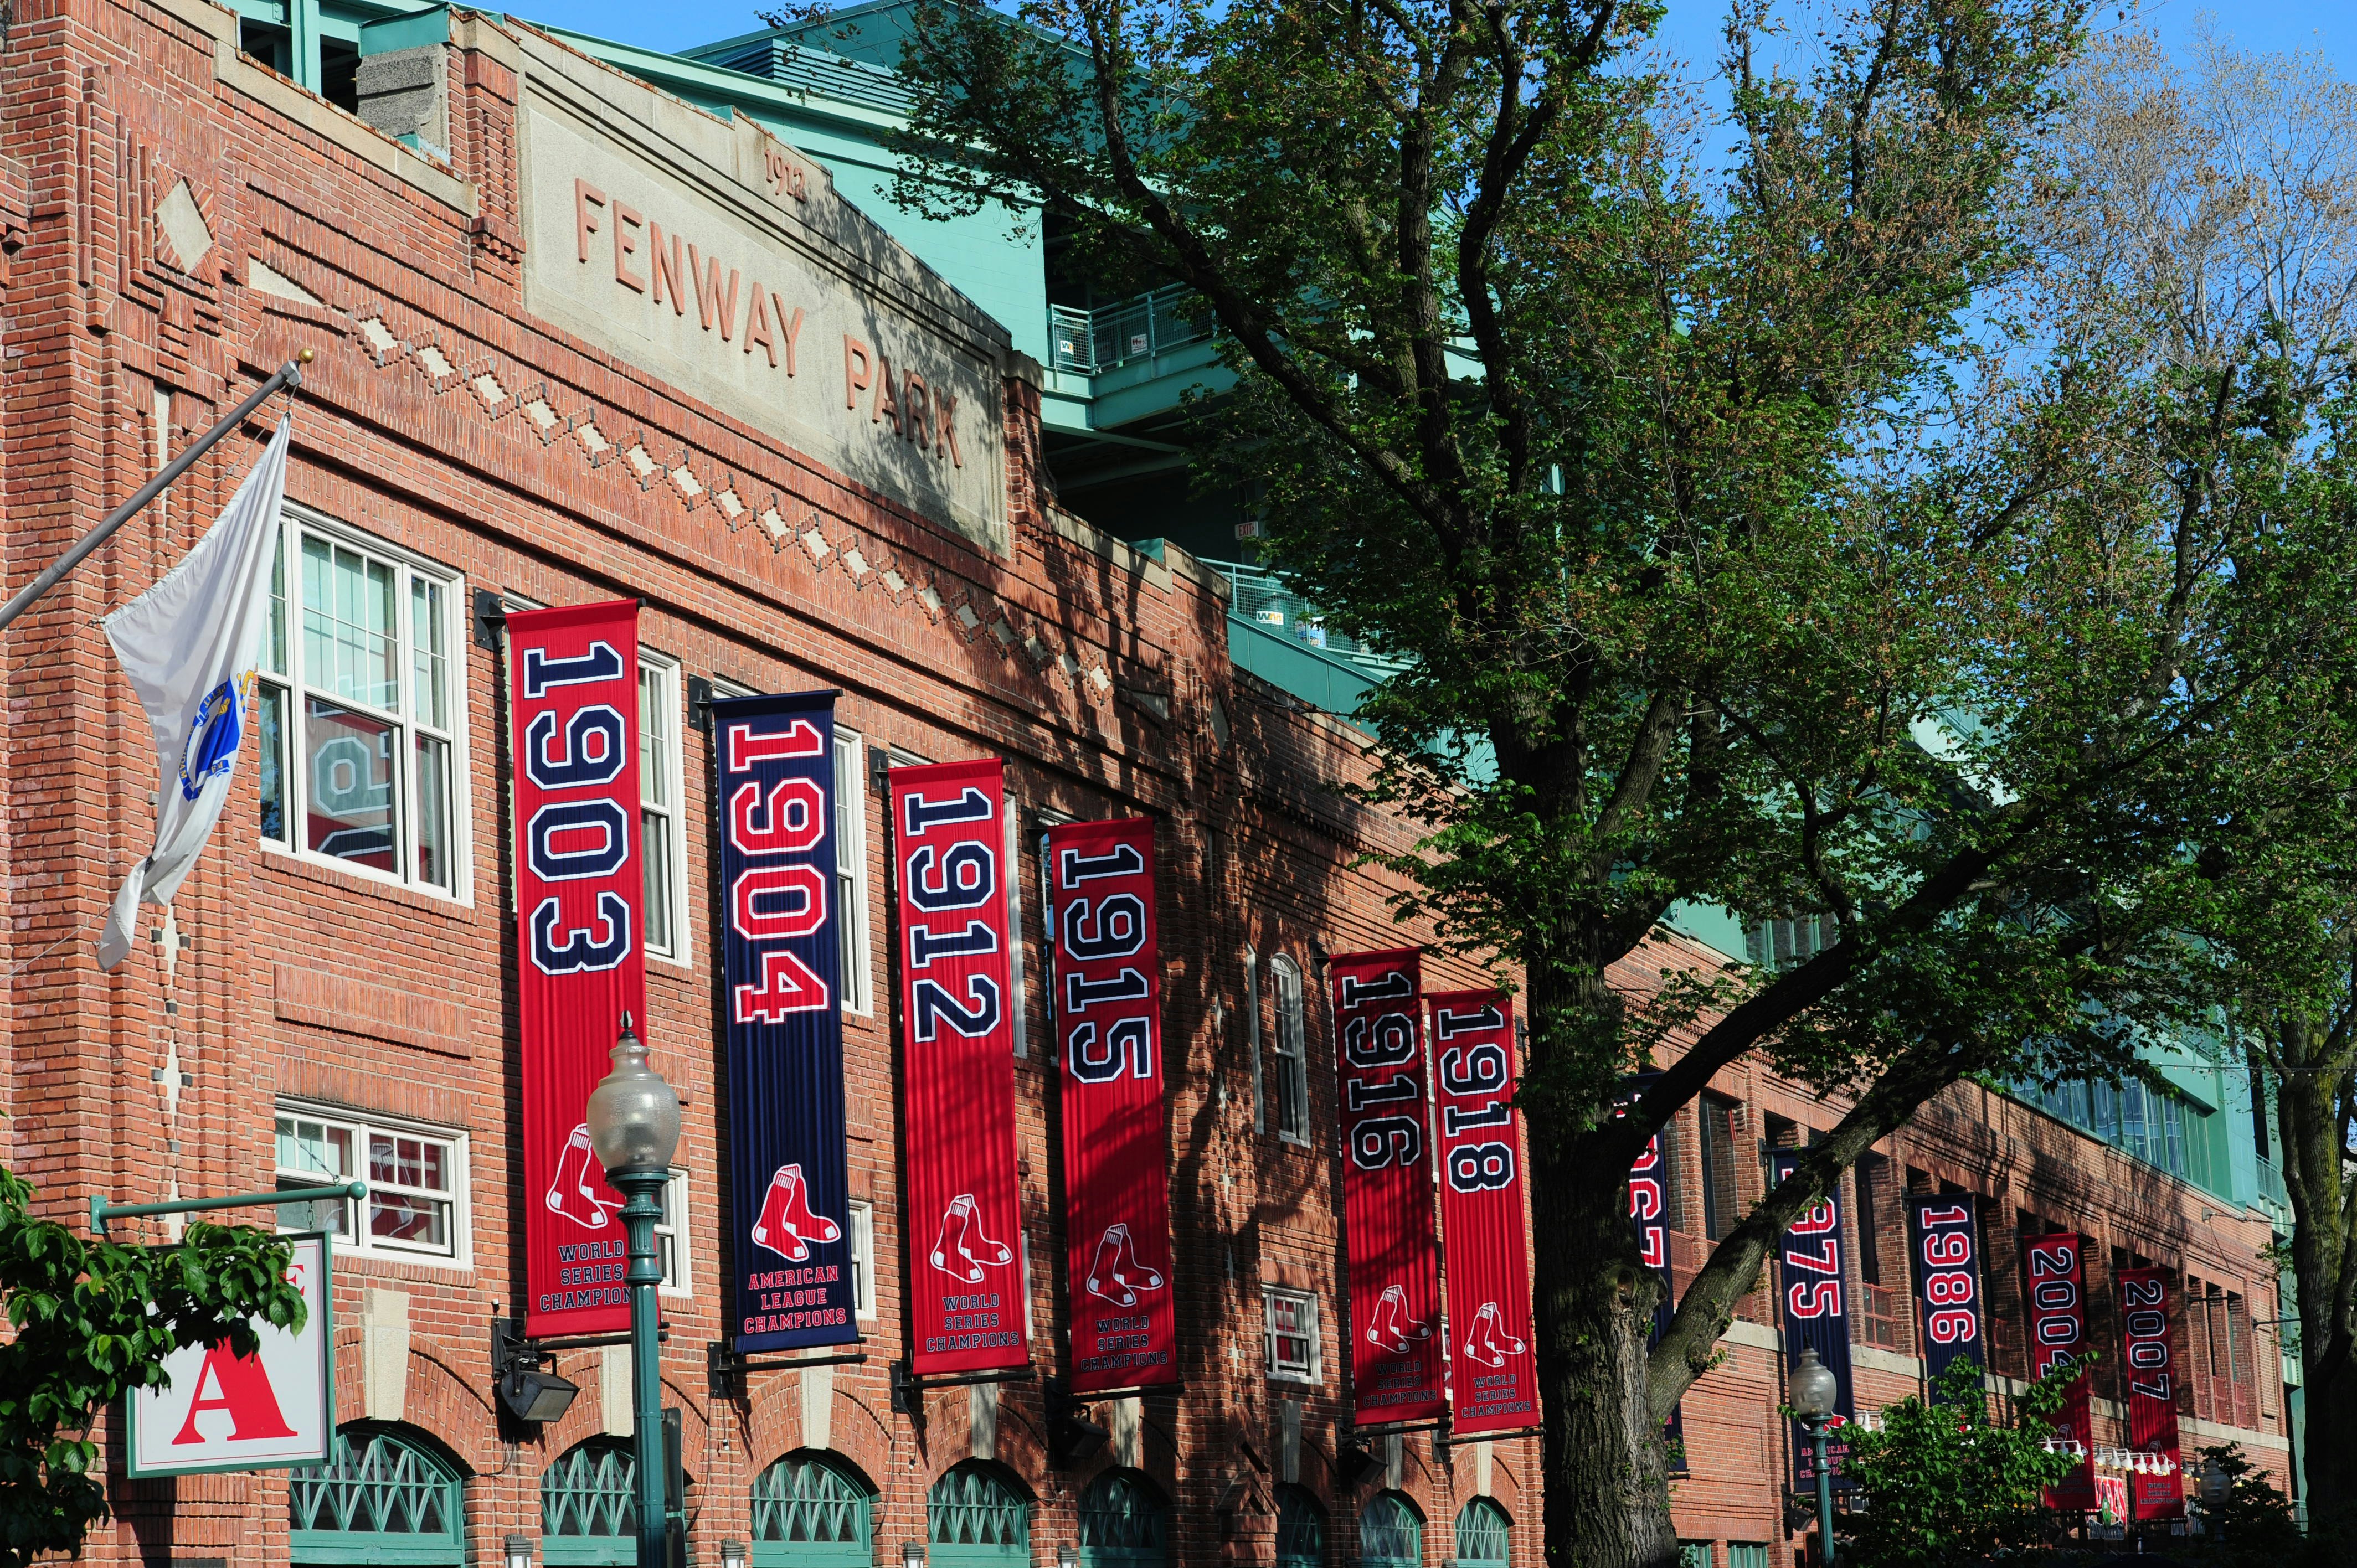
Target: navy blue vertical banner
[[782, 1004], [1945, 1240], [1649, 1207], [1813, 1258]]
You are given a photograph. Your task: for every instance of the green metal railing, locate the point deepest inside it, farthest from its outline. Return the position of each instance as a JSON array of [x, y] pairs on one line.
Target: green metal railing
[[1259, 596], [1112, 336]]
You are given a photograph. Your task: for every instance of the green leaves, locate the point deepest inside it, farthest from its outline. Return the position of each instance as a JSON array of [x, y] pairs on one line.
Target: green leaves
[[1820, 538], [94, 1319], [1944, 1486]]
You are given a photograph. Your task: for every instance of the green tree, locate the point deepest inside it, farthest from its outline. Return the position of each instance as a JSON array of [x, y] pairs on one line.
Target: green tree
[[2213, 234], [1790, 539], [92, 1320], [1941, 1484], [2252, 1525]]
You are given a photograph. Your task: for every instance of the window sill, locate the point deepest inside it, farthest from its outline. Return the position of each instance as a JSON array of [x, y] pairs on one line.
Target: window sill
[[328, 875], [398, 1266]]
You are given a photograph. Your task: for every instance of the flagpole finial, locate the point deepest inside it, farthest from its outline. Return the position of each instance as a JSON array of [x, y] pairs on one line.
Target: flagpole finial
[[302, 357]]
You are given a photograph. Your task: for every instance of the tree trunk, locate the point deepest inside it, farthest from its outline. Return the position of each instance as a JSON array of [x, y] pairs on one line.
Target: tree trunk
[[1607, 1493], [2314, 1066], [2329, 1463]]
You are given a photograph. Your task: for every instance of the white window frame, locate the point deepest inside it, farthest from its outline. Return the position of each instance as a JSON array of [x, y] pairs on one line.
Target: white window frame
[[861, 1224], [354, 1242], [1252, 1031], [1270, 1295], [679, 1274], [851, 872], [293, 680], [1292, 1066], [660, 672]]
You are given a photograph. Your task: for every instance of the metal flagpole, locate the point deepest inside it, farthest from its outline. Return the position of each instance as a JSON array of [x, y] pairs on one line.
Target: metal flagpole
[[289, 375]]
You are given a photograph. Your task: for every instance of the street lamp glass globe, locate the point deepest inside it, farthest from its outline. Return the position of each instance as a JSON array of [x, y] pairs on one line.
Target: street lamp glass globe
[[1811, 1388], [633, 1115]]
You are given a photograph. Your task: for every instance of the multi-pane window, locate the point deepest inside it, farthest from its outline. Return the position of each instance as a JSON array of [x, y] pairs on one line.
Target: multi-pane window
[[662, 834], [1866, 1179], [670, 1236], [2156, 1125], [851, 867], [360, 707], [863, 1258], [1252, 1032], [1717, 1120], [1781, 944], [1292, 1335], [1291, 1051], [416, 1177]]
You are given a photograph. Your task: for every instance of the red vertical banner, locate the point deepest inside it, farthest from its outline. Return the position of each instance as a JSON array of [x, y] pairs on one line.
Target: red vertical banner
[[1395, 1256], [573, 705], [1107, 987], [1493, 1372], [2056, 1279], [2148, 1350], [963, 1219]]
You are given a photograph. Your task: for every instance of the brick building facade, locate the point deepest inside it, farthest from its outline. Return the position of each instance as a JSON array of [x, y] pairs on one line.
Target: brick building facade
[[485, 416]]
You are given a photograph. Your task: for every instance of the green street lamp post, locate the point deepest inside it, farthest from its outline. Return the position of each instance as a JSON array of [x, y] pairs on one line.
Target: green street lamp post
[[633, 1119], [1811, 1391]]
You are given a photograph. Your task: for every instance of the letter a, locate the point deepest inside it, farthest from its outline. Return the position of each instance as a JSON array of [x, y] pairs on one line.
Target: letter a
[[243, 1389]]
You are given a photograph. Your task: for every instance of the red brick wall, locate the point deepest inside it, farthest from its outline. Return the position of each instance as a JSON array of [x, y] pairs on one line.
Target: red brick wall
[[1101, 677]]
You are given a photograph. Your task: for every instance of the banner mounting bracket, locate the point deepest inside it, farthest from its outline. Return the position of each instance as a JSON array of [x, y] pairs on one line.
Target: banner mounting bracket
[[725, 1369]]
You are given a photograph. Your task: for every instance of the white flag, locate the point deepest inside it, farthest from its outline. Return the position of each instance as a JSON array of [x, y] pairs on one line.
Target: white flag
[[190, 645]]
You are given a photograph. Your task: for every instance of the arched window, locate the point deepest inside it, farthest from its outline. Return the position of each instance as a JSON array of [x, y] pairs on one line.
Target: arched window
[[973, 1516], [1124, 1523], [810, 1510], [1390, 1533], [1292, 1050], [589, 1508], [1301, 1529], [382, 1498], [1481, 1532]]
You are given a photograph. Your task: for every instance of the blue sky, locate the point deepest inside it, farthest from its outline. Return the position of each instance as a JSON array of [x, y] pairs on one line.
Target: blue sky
[[1691, 28]]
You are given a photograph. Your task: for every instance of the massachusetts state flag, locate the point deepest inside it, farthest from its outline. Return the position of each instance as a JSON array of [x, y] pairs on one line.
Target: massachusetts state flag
[[190, 645]]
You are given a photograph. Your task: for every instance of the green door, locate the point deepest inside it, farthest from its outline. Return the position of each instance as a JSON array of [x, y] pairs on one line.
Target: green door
[[1482, 1533], [1390, 1533], [1301, 1529], [807, 1513], [1124, 1523], [976, 1519], [379, 1499], [589, 1507]]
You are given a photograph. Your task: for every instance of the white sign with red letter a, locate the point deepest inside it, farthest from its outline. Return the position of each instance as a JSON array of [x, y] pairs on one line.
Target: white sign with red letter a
[[273, 1409]]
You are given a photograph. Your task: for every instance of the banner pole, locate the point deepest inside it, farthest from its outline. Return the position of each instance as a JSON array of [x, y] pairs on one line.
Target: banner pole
[[289, 375], [102, 1210]]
